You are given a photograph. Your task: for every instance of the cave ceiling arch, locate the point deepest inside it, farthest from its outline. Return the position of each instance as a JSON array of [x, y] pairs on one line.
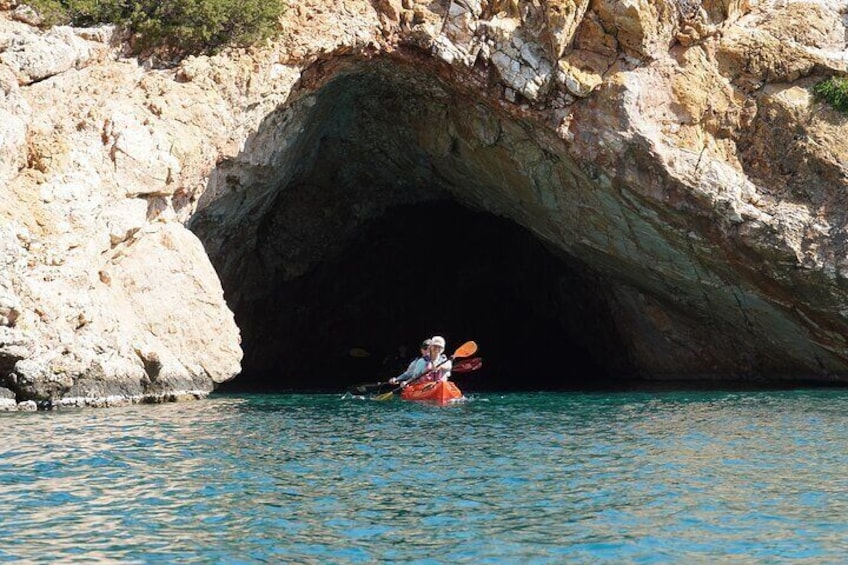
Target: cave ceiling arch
[[376, 139]]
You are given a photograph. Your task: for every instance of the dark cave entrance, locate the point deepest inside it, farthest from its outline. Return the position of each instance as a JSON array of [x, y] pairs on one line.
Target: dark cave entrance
[[433, 268], [384, 202], [386, 207]]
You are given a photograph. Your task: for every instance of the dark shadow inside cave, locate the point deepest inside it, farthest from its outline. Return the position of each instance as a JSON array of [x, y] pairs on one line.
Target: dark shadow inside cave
[[386, 207], [432, 268], [383, 202]]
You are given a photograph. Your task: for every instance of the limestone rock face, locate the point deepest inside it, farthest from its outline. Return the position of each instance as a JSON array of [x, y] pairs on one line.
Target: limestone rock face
[[36, 57], [672, 148], [14, 114], [561, 20], [89, 234], [642, 29]]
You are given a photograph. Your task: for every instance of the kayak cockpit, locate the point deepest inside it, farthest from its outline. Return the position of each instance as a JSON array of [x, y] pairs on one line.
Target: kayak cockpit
[[440, 392]]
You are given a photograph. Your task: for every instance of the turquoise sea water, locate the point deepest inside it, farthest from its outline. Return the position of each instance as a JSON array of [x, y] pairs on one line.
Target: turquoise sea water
[[521, 478]]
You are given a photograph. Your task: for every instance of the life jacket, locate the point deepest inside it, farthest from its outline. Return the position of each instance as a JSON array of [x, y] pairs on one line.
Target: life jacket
[[437, 374]]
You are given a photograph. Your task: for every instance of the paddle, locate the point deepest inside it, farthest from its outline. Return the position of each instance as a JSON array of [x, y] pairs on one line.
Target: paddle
[[465, 350], [467, 365], [463, 366], [368, 388]]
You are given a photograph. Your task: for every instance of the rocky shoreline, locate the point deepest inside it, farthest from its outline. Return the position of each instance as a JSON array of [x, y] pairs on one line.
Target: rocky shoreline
[[8, 403], [672, 149]]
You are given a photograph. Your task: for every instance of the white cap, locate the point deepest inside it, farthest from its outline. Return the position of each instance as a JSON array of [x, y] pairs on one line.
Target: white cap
[[438, 341]]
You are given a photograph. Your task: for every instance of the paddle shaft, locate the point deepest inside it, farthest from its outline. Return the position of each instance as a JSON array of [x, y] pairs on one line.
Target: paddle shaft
[[418, 378], [462, 366], [465, 350]]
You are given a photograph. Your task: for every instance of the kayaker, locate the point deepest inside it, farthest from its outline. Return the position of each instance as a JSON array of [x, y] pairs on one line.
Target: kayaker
[[436, 359], [416, 366]]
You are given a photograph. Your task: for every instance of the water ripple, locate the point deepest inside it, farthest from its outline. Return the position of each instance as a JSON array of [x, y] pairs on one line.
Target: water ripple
[[547, 478]]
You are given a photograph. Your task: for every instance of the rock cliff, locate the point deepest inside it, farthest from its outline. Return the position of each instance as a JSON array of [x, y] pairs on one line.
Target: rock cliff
[[669, 151]]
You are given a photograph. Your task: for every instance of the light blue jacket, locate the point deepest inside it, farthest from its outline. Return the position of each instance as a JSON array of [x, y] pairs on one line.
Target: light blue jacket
[[416, 367], [420, 366]]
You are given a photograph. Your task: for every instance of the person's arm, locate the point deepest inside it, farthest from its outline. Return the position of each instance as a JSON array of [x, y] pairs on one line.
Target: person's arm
[[414, 369], [406, 375], [445, 370], [418, 368]]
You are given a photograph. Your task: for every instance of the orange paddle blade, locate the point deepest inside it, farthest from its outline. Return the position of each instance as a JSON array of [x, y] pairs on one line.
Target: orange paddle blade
[[466, 349], [466, 365]]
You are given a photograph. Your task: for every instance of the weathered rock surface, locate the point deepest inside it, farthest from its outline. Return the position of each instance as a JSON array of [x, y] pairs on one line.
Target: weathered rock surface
[[672, 148]]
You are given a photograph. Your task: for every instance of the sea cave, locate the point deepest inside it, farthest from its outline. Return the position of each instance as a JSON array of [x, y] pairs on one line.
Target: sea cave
[[382, 204]]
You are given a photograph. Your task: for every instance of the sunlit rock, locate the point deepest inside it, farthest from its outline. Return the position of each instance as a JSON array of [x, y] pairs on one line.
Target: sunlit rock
[[660, 195]]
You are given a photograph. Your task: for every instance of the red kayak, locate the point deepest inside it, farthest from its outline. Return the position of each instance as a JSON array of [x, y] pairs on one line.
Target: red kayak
[[440, 392]]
